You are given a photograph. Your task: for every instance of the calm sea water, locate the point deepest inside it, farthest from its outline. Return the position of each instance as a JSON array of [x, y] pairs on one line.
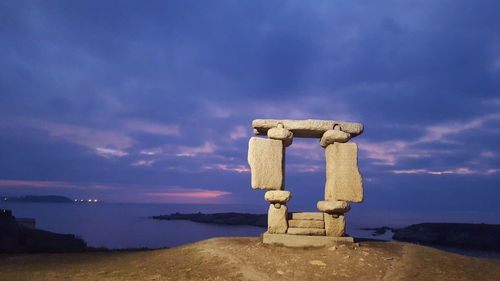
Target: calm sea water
[[128, 225]]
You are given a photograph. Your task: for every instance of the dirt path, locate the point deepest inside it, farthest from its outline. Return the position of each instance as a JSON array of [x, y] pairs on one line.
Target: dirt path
[[248, 259]]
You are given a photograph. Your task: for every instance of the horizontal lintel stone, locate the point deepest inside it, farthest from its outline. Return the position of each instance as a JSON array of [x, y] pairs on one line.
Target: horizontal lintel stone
[[310, 128]]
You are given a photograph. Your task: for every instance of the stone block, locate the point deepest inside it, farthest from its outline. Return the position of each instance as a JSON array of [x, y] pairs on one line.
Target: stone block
[[343, 180], [277, 219], [304, 240], [306, 224], [280, 133], [338, 207], [307, 216], [332, 136], [334, 225], [266, 158], [306, 231], [278, 196]]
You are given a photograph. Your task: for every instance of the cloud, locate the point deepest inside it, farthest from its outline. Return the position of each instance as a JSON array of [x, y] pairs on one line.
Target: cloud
[[187, 195], [227, 167], [307, 150], [143, 163], [191, 151], [109, 153], [441, 132], [239, 132], [306, 168], [386, 153], [85, 136], [152, 128], [457, 171], [390, 152], [154, 151]]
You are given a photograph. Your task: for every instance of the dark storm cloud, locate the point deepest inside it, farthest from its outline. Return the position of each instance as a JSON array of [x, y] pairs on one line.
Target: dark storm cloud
[[145, 96]]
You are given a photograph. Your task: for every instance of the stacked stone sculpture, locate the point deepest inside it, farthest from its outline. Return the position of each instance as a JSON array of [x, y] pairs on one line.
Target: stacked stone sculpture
[[266, 157]]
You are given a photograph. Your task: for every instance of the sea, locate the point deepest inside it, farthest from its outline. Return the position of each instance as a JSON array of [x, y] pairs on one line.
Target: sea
[[129, 225]]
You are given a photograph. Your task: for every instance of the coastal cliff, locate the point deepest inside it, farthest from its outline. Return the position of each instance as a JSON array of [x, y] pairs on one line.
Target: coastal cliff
[[15, 238]]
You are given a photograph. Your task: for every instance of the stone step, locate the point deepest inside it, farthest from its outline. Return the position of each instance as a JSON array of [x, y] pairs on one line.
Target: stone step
[[306, 224], [317, 216], [306, 231], [304, 240]]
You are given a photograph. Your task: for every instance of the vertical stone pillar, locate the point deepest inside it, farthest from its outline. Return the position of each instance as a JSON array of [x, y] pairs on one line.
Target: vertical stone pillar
[[267, 163], [277, 219], [343, 179], [334, 225], [277, 216]]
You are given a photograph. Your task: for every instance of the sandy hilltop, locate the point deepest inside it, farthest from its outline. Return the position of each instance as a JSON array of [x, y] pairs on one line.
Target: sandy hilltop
[[249, 259]]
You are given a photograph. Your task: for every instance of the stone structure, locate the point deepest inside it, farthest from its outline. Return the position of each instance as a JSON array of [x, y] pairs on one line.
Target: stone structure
[[343, 180]]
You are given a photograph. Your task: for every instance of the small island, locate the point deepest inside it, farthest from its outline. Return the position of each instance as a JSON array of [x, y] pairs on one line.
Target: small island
[[259, 220]]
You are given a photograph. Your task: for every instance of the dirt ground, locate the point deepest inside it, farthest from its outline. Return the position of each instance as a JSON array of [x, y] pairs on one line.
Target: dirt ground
[[249, 259]]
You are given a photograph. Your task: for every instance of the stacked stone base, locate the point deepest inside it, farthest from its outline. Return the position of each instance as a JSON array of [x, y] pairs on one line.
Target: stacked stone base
[[307, 229], [289, 240]]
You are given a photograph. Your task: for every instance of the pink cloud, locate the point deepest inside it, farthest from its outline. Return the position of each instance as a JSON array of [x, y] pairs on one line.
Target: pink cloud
[[307, 150], [441, 132], [187, 195], [88, 137], [108, 152], [305, 168], [389, 152], [458, 171], [151, 151], [225, 167], [143, 163], [190, 151], [198, 194], [386, 153], [239, 132], [152, 128]]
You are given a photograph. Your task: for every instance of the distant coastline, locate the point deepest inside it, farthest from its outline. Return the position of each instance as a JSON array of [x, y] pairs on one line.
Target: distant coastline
[[37, 199], [460, 235], [259, 220]]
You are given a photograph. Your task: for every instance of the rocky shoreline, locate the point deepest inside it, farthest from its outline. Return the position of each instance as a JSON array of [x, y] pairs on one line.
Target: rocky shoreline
[[461, 235]]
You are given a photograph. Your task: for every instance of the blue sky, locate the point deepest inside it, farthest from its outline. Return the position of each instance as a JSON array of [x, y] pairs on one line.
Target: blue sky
[[152, 101]]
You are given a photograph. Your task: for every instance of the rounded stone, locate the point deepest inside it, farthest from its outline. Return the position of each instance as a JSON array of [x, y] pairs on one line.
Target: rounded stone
[[336, 207], [278, 196], [332, 136], [280, 133]]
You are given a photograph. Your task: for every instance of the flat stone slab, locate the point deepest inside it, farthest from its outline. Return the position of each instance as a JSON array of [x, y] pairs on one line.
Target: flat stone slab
[[306, 231], [333, 206], [278, 196], [317, 216], [310, 128], [343, 179], [304, 240], [306, 223], [267, 165]]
